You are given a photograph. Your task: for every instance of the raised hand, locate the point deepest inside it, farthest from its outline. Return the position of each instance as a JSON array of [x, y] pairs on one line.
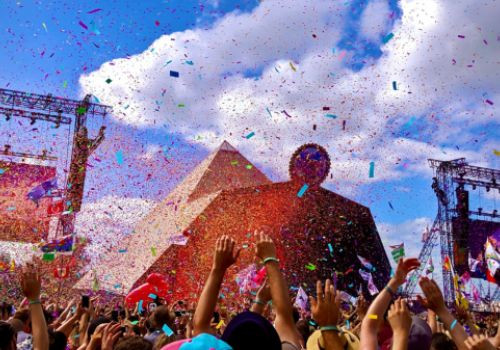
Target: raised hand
[[264, 247], [110, 335], [404, 267], [31, 283], [399, 317], [264, 292], [433, 297], [225, 255], [478, 342], [325, 308]]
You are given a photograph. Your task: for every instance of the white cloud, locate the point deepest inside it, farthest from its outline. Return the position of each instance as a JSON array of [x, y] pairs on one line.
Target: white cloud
[[220, 103]]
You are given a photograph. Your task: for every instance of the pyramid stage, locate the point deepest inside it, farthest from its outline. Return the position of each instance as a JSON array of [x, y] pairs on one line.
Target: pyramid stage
[[316, 233]]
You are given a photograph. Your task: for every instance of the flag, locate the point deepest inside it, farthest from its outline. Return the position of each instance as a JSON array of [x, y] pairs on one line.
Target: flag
[[473, 264], [56, 207], [430, 268], [492, 258], [301, 299], [372, 288], [365, 263], [475, 293], [398, 251], [40, 191], [447, 263], [425, 234]]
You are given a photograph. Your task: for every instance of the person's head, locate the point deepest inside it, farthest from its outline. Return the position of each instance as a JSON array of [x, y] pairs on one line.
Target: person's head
[[441, 341], [133, 343], [249, 330], [163, 340], [7, 336], [304, 330], [420, 337], [57, 340], [24, 316], [93, 325], [161, 316]]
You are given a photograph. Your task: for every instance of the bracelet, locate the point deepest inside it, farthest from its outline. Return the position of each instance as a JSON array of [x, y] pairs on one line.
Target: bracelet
[[36, 301], [329, 328], [260, 302], [271, 258], [453, 324], [391, 292]]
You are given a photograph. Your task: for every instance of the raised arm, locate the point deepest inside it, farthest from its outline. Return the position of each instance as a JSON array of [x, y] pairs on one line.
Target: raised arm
[[325, 311], [376, 311], [31, 285], [285, 326], [224, 257], [435, 301], [261, 299], [400, 320]]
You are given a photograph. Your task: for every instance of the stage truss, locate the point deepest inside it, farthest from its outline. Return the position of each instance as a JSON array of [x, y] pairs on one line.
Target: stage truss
[[55, 110], [448, 176]]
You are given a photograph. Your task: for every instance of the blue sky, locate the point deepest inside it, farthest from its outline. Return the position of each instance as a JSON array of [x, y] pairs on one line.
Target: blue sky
[[242, 54]]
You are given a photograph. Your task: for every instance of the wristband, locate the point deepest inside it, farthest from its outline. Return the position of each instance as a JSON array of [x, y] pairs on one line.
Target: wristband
[[389, 289], [36, 301], [271, 258], [329, 328], [260, 302], [453, 324]]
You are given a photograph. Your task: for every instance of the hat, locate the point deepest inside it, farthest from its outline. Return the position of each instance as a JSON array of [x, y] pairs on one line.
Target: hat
[[420, 336], [249, 330], [348, 339], [203, 341]]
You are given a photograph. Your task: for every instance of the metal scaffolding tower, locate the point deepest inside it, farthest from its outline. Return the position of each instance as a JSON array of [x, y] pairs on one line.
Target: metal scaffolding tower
[[450, 176], [59, 111]]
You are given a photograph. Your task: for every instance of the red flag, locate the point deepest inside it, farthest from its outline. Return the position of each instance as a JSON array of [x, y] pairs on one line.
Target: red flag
[[489, 277], [56, 207], [447, 263]]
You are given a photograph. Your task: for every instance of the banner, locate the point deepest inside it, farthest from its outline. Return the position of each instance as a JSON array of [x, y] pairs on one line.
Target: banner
[[23, 201]]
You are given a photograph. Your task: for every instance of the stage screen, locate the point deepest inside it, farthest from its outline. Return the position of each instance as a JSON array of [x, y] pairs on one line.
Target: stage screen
[[24, 202], [479, 232]]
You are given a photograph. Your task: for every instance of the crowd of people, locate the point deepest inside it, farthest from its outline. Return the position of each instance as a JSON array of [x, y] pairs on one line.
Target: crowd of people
[[270, 322]]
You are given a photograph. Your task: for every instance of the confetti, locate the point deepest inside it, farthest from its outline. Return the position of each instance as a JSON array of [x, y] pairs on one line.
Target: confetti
[[461, 36], [249, 136], [394, 85], [372, 317], [220, 324], [249, 166], [139, 306], [311, 267], [94, 11], [333, 116], [108, 80], [372, 169], [83, 25], [119, 157], [152, 296], [388, 37], [495, 152], [48, 257], [44, 27], [390, 205], [489, 102], [166, 329], [302, 190], [174, 74], [268, 111], [293, 67]]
